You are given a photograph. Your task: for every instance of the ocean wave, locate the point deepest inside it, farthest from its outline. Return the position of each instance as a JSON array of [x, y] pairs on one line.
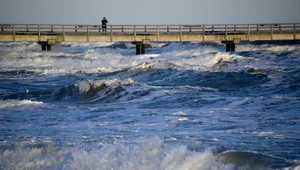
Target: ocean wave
[[267, 46], [211, 60], [96, 101], [103, 90], [151, 154], [89, 88], [185, 56], [16, 72], [253, 160], [19, 46]]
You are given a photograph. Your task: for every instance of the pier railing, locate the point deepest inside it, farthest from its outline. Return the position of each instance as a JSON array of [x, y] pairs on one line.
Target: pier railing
[[150, 29], [228, 33]]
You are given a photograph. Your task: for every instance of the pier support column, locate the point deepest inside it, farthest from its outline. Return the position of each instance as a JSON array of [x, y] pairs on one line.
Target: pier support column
[[140, 49], [46, 45], [230, 45], [140, 46]]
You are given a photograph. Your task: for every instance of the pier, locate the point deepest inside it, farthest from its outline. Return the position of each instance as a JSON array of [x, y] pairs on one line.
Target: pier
[[140, 35]]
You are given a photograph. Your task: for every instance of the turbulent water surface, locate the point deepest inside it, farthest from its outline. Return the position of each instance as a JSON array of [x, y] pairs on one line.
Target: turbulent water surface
[[179, 106]]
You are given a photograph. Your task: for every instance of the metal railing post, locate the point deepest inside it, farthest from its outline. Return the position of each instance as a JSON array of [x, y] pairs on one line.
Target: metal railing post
[[271, 31], [39, 32], [63, 32], [225, 32], [88, 33], [111, 33], [294, 31], [157, 33], [180, 32], [134, 32], [248, 32], [14, 33], [203, 32]]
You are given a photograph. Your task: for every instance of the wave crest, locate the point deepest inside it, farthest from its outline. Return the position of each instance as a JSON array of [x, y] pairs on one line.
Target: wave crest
[[105, 90], [13, 103]]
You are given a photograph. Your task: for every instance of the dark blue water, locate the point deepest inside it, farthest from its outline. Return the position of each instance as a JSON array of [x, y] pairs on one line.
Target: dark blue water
[[179, 106]]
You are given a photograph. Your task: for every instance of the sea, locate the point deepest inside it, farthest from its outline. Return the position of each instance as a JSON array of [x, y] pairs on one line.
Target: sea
[[180, 106]]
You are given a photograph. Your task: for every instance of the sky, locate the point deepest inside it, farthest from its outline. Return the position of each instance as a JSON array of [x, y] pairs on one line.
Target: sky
[[151, 12]]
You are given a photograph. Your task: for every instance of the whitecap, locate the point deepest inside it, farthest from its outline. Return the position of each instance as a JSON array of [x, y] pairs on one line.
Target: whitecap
[[14, 103]]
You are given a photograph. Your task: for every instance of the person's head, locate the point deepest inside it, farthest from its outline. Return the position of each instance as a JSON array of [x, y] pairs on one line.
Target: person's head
[[104, 18]]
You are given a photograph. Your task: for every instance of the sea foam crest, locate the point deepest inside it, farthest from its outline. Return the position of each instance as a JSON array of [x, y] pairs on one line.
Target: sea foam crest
[[268, 47], [211, 60], [152, 155], [87, 85], [13, 103]]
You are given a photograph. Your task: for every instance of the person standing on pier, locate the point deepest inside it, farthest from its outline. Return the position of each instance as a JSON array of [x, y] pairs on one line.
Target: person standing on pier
[[104, 22]]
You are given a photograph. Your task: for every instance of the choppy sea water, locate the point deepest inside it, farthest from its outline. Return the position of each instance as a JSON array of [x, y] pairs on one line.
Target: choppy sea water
[[179, 106]]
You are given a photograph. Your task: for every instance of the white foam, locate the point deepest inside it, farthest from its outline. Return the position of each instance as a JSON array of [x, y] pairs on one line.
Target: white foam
[[14, 103], [158, 45], [180, 113], [90, 59], [152, 154], [19, 46], [32, 158], [210, 60], [87, 85], [94, 60], [263, 134], [266, 47]]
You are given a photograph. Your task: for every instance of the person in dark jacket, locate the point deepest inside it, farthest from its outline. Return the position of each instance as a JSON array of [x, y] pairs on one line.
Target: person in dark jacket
[[104, 22]]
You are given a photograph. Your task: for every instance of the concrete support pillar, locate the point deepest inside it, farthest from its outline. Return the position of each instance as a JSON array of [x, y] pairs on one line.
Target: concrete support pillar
[[140, 49], [230, 45], [46, 47], [140, 46]]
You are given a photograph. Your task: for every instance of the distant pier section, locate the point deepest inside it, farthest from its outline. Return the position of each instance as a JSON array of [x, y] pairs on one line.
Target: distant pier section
[[140, 35]]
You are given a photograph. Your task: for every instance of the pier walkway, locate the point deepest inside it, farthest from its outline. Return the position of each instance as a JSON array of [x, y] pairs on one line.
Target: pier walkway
[[229, 34]]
